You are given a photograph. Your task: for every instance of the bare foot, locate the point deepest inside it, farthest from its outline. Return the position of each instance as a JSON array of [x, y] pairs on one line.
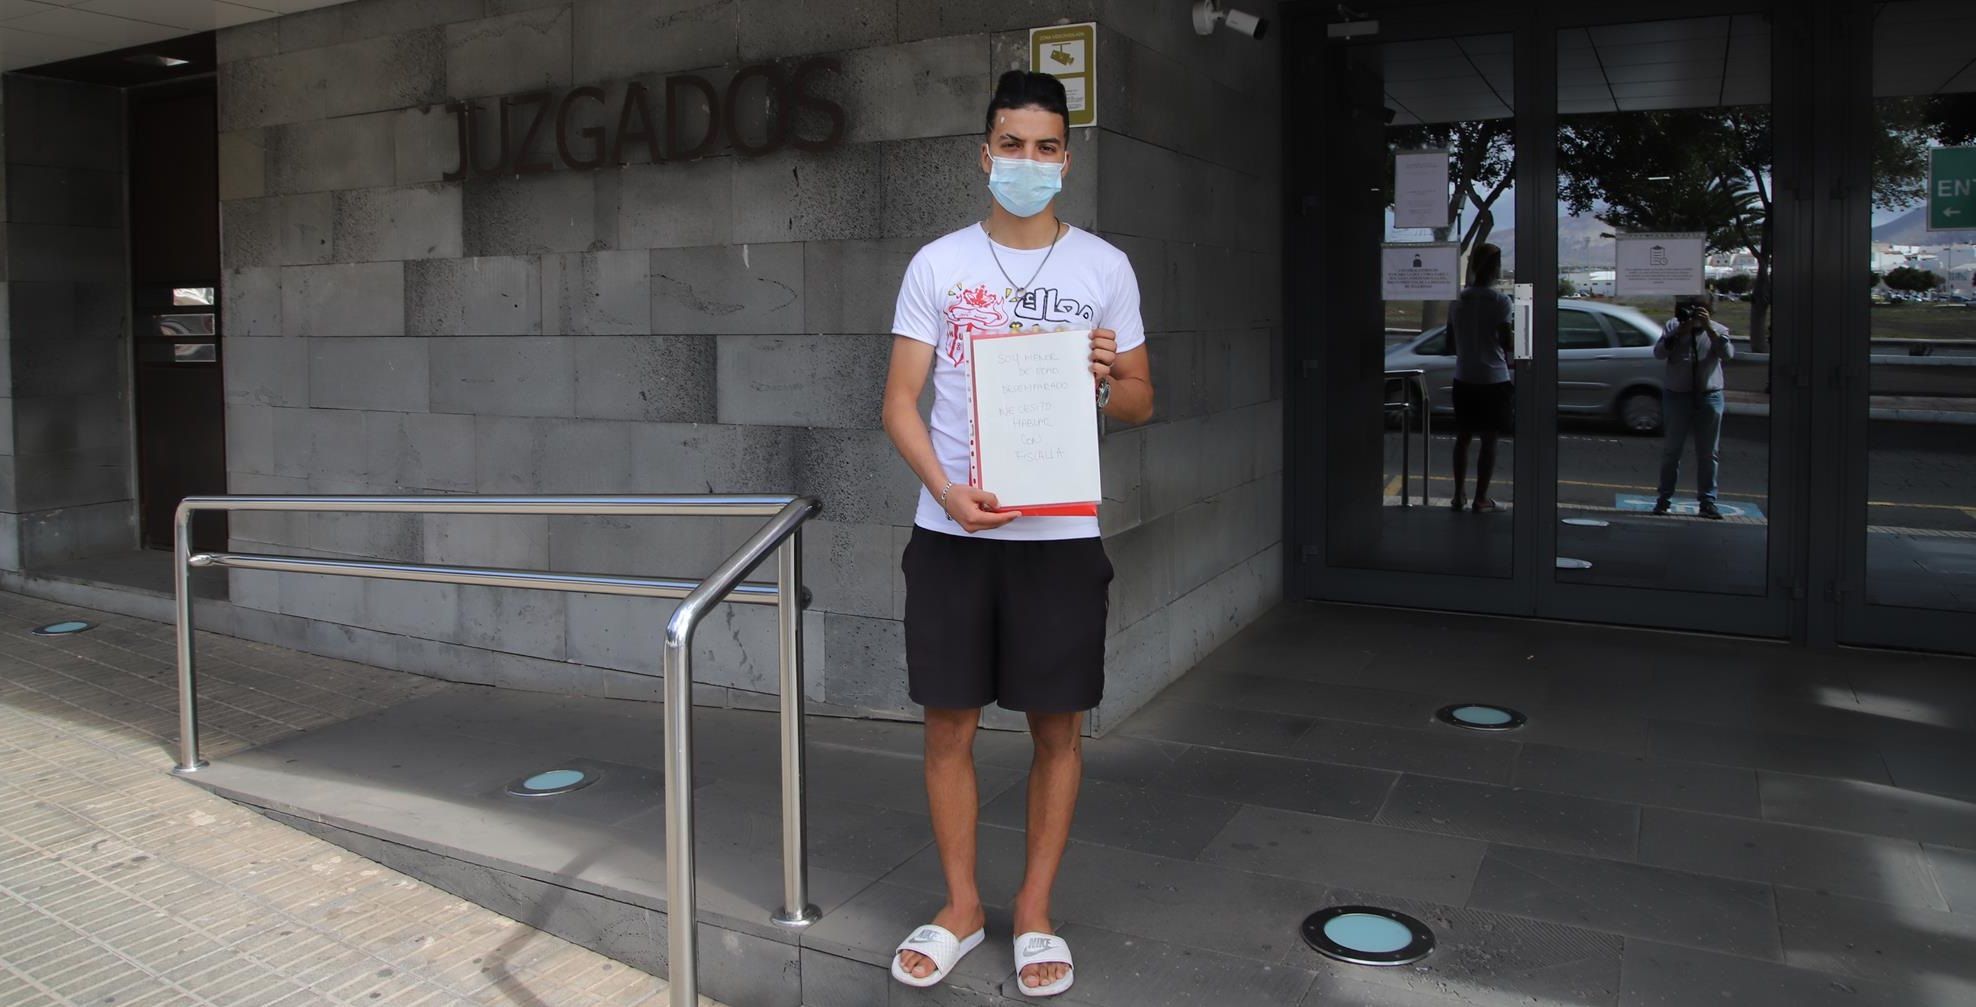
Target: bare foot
[[1483, 505], [1041, 973], [959, 922]]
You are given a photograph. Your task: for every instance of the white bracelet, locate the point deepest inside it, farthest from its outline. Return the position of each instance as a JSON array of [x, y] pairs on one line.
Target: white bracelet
[[943, 493]]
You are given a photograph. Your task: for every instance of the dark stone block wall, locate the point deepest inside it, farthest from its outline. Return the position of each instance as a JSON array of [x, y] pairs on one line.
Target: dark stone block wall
[[718, 324], [66, 483]]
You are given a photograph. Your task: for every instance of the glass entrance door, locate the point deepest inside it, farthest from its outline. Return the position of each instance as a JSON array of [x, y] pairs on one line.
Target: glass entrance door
[[1674, 321], [1490, 410], [1418, 414], [1909, 537]]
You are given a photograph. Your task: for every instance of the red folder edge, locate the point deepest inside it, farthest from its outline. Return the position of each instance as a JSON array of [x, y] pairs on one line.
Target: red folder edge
[[1077, 509]]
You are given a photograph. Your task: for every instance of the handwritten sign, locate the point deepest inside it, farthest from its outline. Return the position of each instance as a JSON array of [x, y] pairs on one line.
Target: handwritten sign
[[1035, 423]]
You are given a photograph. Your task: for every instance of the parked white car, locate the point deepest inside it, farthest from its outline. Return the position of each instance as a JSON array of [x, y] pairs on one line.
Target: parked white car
[[1606, 364]]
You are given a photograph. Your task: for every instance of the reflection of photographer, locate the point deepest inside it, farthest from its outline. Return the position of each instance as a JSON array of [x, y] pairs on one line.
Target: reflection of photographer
[[1694, 346]]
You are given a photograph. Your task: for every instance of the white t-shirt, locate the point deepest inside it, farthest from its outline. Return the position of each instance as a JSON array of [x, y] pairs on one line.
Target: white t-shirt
[[954, 288]]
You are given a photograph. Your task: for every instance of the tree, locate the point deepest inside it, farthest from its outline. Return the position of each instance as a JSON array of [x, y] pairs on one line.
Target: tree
[[1709, 169], [1908, 278], [1736, 283], [1565, 288], [1876, 278]]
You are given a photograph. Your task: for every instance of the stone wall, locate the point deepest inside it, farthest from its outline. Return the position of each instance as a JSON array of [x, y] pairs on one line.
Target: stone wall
[[714, 325], [66, 480], [1189, 186]]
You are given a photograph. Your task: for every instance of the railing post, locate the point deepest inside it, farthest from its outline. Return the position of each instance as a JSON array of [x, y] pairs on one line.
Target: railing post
[[1426, 441], [188, 701], [796, 910], [1406, 444], [682, 915]]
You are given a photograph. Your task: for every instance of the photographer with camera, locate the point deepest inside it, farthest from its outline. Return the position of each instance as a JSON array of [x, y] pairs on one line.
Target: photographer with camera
[[1694, 346]]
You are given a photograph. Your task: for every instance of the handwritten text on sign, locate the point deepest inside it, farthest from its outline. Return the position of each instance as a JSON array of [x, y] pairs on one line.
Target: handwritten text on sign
[[1036, 428]]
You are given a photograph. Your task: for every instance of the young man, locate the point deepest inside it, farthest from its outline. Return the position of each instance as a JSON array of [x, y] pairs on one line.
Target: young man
[[1002, 608], [1694, 347]]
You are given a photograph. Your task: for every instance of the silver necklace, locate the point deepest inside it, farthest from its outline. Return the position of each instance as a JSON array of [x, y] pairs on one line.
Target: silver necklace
[[1022, 289]]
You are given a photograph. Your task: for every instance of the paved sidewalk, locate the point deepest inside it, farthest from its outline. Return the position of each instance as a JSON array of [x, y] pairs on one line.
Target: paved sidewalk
[[120, 884]]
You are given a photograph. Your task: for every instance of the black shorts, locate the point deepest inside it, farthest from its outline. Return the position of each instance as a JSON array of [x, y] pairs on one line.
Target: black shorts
[[1485, 408], [995, 621]]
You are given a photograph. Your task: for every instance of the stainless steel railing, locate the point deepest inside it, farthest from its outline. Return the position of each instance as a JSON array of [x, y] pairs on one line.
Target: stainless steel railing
[[781, 535], [1406, 378]]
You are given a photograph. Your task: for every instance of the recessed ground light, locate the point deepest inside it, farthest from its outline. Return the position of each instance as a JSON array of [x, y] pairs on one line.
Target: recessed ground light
[[1480, 717], [63, 628], [1368, 935], [1587, 522], [1567, 563], [552, 782], [153, 59]]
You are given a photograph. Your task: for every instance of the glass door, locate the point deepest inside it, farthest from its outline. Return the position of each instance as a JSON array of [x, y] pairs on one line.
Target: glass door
[[1669, 325], [1414, 412], [1909, 543]]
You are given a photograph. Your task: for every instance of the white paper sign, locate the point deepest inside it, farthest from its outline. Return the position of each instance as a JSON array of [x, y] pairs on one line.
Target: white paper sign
[[1420, 188], [1521, 306], [1420, 272], [1036, 421], [1659, 263]]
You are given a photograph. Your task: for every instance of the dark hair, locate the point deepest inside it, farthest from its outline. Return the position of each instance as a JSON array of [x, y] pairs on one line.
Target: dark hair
[[1028, 89], [1485, 266]]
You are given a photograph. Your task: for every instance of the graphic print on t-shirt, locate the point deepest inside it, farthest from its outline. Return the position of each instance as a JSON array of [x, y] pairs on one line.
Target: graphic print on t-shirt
[[971, 310], [1046, 307]]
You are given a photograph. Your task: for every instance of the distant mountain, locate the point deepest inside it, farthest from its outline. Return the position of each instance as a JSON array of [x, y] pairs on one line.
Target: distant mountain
[[1580, 243], [1911, 228]]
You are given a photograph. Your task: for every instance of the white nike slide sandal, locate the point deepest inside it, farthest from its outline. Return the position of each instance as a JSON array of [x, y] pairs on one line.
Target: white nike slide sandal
[[1036, 948], [938, 943]]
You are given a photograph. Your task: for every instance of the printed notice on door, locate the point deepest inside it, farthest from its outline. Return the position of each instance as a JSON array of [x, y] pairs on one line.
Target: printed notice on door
[[1420, 272], [1659, 263], [1420, 188], [1036, 422]]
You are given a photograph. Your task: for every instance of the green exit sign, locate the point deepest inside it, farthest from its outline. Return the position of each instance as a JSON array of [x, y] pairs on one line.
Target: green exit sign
[[1952, 188]]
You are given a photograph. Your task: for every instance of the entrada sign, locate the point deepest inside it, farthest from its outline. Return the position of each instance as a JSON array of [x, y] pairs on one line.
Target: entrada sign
[[586, 148]]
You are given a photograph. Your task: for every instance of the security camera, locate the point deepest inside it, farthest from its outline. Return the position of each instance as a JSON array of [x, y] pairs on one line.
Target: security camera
[[1208, 13]]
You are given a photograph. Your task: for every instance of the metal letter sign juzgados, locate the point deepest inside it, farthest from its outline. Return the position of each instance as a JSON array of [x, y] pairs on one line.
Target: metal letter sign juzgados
[[1069, 52], [1952, 188]]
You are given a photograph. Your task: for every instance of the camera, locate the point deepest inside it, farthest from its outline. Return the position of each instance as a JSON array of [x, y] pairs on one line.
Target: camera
[[1208, 13]]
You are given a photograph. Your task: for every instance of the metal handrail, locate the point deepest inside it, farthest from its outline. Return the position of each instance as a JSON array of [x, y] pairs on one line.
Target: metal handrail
[[1406, 430], [782, 535]]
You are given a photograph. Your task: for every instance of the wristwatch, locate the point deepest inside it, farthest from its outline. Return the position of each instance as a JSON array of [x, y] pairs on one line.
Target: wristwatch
[[1104, 393]]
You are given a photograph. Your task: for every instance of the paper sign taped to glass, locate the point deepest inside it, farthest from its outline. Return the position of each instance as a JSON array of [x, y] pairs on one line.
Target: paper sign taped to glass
[[1035, 422]]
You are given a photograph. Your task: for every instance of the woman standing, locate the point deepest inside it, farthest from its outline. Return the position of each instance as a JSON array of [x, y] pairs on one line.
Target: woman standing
[[1485, 400]]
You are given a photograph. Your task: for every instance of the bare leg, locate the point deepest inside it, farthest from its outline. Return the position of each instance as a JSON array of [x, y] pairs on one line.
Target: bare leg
[[1053, 779], [951, 799], [1485, 467], [1461, 471]]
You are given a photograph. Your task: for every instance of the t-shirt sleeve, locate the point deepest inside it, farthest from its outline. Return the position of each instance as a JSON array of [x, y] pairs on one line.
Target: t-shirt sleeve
[[1122, 307], [918, 315]]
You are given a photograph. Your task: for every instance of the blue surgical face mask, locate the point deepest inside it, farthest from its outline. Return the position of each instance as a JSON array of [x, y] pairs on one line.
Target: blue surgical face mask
[[1025, 187]]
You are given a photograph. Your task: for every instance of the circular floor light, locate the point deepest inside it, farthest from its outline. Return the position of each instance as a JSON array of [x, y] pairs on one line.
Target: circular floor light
[[552, 782], [63, 628], [1480, 717], [1368, 935]]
